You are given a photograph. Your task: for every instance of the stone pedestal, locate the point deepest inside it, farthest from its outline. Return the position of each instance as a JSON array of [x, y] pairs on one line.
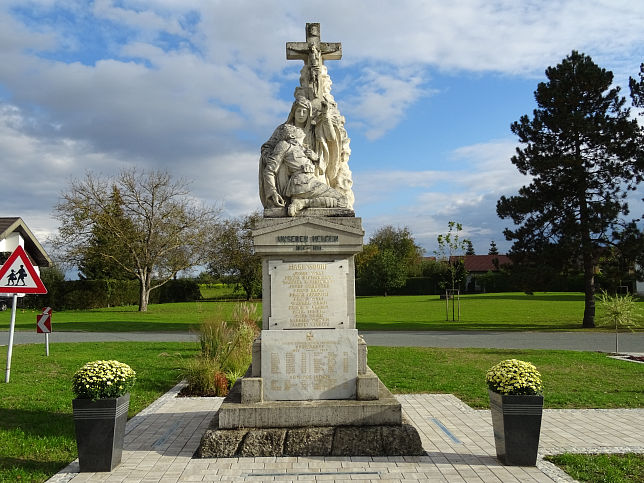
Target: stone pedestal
[[309, 380]]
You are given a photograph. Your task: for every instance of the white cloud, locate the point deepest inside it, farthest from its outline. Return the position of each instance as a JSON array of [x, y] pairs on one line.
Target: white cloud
[[381, 99], [467, 194]]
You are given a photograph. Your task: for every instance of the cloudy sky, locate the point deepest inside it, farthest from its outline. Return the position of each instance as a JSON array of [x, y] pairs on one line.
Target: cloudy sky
[[429, 90]]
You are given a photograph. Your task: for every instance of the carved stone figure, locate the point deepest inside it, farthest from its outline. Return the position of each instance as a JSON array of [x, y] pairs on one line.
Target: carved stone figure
[[315, 112], [298, 162]]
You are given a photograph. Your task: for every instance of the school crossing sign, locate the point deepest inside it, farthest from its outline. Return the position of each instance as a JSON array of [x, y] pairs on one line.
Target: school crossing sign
[[18, 275]]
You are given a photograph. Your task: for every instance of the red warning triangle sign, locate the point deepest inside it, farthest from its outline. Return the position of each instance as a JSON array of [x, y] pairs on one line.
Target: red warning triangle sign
[[17, 275]]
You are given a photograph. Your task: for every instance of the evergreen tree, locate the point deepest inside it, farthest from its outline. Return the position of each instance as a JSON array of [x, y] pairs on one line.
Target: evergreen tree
[[470, 248], [581, 151], [493, 249], [637, 90], [104, 247]]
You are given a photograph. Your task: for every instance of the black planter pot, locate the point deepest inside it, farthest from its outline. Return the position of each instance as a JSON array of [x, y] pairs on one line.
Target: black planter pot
[[517, 424], [100, 431]]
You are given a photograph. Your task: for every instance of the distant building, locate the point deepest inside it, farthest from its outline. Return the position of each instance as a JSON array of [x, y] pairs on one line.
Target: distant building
[[14, 232], [480, 265]]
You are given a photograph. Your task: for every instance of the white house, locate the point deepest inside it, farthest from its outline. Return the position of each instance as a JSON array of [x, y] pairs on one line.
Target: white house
[[14, 232]]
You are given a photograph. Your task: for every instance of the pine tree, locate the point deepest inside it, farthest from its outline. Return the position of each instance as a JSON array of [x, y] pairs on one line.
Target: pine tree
[[581, 150], [637, 90], [470, 248], [493, 249]]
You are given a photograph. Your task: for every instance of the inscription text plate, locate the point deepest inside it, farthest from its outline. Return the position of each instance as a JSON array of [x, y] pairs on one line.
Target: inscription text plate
[[309, 364], [308, 295]]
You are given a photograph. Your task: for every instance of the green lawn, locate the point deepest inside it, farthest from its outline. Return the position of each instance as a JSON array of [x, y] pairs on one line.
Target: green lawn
[[159, 317], [36, 425], [602, 468], [495, 311], [502, 311], [571, 379]]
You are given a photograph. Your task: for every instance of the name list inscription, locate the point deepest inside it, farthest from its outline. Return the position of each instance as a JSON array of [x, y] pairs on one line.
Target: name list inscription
[[317, 364], [308, 295]]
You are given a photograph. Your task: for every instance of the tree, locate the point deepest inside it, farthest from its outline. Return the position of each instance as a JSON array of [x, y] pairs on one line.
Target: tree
[[637, 89], [98, 260], [619, 262], [451, 248], [157, 231], [233, 258], [493, 249], [470, 248], [581, 151], [384, 271], [388, 259]]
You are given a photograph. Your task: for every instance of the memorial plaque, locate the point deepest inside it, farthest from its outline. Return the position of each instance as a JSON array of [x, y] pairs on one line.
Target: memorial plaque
[[308, 295], [309, 364]]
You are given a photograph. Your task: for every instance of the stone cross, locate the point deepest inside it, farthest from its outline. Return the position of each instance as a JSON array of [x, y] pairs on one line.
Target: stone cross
[[302, 50]]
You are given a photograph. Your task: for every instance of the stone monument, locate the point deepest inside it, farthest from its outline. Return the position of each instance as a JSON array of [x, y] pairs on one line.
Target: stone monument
[[309, 390]]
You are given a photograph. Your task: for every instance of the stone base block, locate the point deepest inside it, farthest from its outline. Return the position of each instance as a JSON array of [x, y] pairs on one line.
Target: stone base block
[[367, 386], [385, 410], [252, 390], [310, 428], [400, 440]]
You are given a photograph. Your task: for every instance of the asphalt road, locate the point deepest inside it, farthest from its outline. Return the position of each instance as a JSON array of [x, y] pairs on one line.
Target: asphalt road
[[579, 341]]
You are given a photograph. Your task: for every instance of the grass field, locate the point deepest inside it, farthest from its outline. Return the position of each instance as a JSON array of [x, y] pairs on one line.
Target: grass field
[[36, 425], [502, 311], [602, 468], [570, 379]]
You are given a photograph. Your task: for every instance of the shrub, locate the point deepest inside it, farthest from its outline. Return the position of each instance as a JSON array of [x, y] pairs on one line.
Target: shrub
[[230, 344], [221, 384], [199, 374], [620, 312], [226, 351]]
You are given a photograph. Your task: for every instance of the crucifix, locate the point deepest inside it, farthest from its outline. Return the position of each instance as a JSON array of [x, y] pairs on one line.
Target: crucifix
[[313, 52], [302, 50]]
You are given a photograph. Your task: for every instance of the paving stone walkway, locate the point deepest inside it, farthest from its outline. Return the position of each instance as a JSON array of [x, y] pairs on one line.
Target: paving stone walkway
[[458, 440]]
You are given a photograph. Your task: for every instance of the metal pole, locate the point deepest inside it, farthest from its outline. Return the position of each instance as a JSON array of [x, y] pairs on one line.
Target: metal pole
[[12, 327], [47, 342], [446, 306]]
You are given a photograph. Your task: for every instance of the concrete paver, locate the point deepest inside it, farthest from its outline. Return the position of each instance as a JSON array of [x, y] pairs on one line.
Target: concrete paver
[[458, 441]]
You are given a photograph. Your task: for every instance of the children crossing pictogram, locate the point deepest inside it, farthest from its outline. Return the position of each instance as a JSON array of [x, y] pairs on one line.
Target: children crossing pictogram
[[18, 275]]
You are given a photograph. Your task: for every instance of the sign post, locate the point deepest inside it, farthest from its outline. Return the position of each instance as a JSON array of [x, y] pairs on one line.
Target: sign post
[[43, 326], [17, 275]]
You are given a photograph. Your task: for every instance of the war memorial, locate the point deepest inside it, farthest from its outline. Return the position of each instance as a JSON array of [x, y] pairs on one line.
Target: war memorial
[[309, 391]]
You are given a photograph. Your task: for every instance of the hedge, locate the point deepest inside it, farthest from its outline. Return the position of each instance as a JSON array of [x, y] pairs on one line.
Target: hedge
[[93, 294]]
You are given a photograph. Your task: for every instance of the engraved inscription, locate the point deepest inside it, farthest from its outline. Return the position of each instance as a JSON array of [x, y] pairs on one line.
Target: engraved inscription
[[317, 364], [309, 295], [306, 243]]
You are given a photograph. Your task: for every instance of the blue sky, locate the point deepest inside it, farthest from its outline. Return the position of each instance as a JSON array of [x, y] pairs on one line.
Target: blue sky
[[428, 88]]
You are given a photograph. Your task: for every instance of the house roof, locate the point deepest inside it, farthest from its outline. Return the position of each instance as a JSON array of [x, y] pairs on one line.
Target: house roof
[[485, 263], [34, 249]]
